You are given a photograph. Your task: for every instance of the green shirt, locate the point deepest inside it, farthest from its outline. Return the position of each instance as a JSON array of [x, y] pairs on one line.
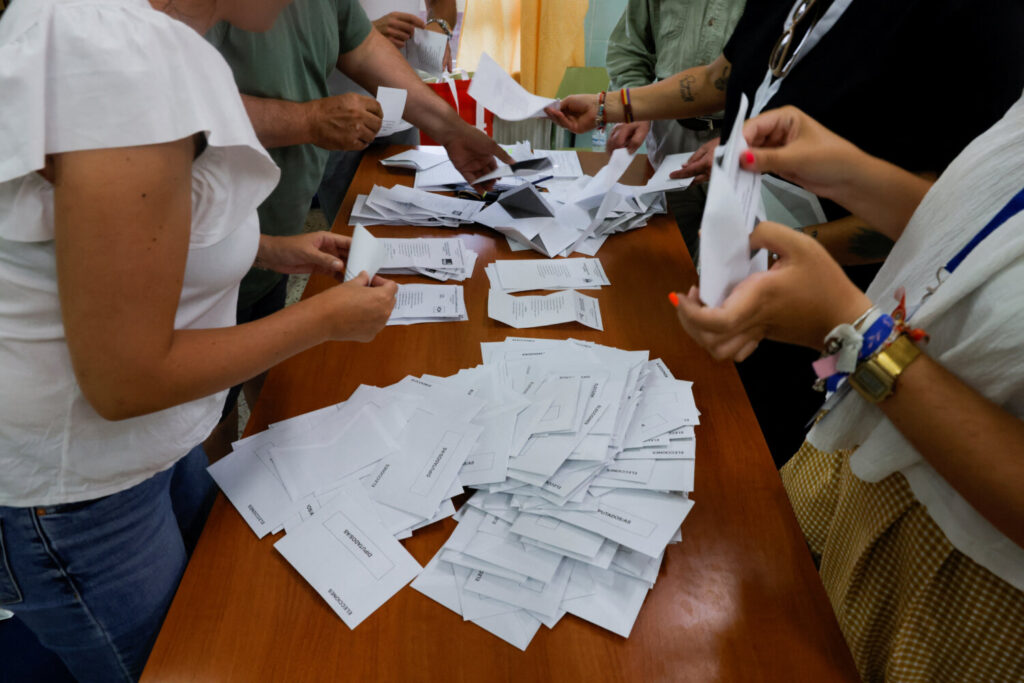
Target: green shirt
[[291, 61], [655, 39]]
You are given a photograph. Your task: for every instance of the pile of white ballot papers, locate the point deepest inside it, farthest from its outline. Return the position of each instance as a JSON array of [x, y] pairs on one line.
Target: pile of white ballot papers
[[550, 207], [581, 455]]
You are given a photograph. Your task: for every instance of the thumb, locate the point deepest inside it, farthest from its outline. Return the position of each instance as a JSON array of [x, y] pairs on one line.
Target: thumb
[[361, 280], [328, 262], [767, 160], [775, 237]]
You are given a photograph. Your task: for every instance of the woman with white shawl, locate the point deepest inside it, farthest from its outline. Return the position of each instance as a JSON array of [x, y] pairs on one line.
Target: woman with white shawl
[[912, 505]]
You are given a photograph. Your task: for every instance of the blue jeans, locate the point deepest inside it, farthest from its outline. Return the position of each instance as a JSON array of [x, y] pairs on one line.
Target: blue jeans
[[93, 580]]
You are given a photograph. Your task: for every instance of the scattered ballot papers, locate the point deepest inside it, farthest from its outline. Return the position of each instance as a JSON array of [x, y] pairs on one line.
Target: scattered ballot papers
[[582, 457], [538, 311], [401, 205], [498, 92], [732, 211], [428, 304], [522, 276], [442, 258], [576, 213], [392, 104]]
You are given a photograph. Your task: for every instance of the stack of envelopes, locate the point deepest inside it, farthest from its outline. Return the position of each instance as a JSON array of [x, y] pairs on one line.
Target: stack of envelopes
[[581, 456]]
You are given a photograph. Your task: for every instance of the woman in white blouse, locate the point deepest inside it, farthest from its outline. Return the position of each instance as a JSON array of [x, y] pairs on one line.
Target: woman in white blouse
[[909, 494], [129, 180]]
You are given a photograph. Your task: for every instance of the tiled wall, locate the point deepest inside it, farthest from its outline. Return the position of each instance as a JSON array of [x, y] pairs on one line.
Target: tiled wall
[[602, 15]]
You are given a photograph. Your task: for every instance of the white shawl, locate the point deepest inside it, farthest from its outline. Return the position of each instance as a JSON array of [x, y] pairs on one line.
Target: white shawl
[[976, 323]]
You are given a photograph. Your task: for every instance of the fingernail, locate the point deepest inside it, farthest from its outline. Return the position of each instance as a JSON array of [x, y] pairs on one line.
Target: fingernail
[[674, 298], [748, 157]]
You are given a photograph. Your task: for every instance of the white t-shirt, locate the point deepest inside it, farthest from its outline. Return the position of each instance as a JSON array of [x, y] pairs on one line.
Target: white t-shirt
[[94, 74], [976, 328]]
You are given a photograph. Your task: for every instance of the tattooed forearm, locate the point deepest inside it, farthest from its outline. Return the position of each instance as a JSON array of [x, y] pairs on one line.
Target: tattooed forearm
[[723, 79], [686, 84], [870, 245]]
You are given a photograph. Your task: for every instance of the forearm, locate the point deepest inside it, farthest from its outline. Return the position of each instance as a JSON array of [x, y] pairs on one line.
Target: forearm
[[882, 194], [279, 123], [974, 444], [699, 91], [376, 62], [443, 9], [850, 241], [196, 363]]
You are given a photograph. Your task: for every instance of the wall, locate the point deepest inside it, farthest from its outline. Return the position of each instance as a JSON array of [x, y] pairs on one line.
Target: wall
[[601, 19]]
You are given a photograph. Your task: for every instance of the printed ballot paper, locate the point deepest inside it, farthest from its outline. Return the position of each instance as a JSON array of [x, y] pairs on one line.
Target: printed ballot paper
[[732, 211], [366, 253], [499, 93], [538, 311], [522, 276], [392, 104], [442, 258], [425, 51], [582, 459], [428, 304]]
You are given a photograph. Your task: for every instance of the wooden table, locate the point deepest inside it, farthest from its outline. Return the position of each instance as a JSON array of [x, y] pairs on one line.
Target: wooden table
[[739, 599]]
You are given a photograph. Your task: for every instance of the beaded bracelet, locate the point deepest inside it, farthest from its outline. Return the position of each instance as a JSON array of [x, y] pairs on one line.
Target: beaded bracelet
[[599, 120]]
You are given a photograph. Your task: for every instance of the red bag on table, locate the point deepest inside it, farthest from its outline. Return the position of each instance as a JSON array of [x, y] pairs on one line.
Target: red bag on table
[[468, 109]]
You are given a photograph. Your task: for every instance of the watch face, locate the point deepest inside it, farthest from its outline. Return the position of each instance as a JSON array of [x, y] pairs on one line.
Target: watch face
[[870, 382]]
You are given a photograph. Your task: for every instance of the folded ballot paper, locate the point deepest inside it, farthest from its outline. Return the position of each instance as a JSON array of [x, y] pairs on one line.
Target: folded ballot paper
[[581, 457], [498, 92], [428, 304], [732, 211], [538, 311], [522, 276]]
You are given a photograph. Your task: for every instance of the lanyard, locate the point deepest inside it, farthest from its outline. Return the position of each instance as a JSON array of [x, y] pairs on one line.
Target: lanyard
[[768, 88], [1012, 208]]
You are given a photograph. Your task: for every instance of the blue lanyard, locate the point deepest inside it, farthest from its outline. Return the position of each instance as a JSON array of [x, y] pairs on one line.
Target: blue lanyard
[[1012, 208]]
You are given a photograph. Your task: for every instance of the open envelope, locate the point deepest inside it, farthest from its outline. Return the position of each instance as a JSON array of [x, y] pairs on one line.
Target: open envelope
[[732, 211]]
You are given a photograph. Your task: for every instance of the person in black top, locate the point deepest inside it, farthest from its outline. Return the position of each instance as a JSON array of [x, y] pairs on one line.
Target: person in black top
[[911, 82]]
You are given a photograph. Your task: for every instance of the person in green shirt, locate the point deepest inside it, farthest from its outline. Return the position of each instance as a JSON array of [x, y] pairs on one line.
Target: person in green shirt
[[282, 75], [656, 39]]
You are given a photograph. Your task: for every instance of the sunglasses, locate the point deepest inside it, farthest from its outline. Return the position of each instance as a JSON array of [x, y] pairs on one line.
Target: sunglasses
[[805, 15]]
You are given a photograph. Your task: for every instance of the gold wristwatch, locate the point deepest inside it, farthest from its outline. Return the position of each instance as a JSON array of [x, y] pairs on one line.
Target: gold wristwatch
[[875, 377]]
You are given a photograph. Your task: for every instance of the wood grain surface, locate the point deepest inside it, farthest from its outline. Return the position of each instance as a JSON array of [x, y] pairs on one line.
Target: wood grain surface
[[738, 600]]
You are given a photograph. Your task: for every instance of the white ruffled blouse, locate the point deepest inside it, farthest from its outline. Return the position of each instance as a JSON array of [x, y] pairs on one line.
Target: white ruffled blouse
[[93, 74]]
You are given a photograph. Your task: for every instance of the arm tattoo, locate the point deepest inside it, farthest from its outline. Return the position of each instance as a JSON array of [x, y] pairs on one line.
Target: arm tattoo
[[869, 244], [723, 79], [686, 88]]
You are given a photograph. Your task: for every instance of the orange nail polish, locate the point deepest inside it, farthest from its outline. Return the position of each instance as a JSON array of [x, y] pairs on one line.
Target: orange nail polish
[[674, 298]]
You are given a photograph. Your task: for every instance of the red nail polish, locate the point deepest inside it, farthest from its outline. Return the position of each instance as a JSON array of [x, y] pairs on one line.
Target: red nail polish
[[748, 157], [674, 299]]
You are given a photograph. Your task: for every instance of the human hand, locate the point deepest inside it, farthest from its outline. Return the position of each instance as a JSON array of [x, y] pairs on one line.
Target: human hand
[[398, 27], [347, 122], [628, 135], [446, 62], [312, 252], [698, 166], [799, 300], [577, 113], [358, 309], [472, 152], [792, 145]]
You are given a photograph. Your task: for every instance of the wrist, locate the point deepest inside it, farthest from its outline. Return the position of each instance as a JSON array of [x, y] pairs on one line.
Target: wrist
[[614, 112]]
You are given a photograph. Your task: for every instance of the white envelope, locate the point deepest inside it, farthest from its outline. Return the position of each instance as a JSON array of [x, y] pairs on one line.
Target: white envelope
[[348, 557]]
